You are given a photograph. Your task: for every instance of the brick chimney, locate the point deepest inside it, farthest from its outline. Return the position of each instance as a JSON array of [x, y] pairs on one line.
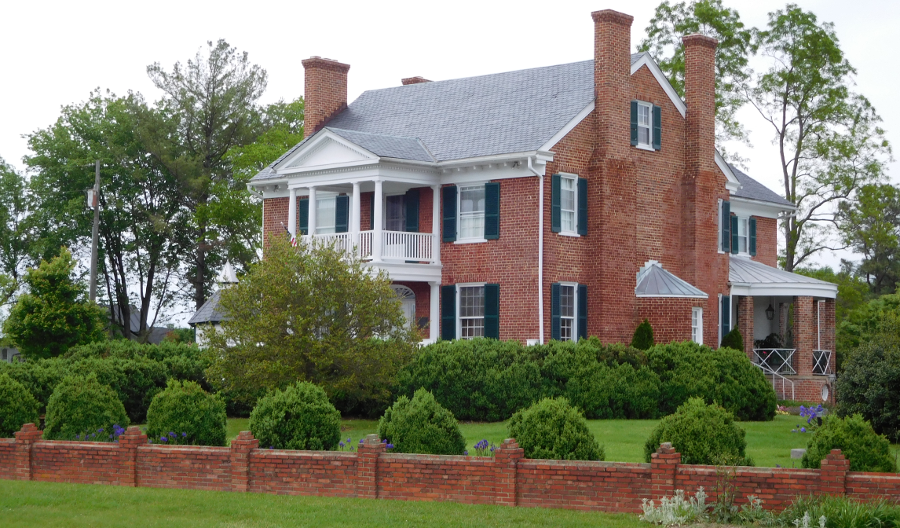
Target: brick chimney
[[612, 77], [700, 97], [414, 80], [325, 91]]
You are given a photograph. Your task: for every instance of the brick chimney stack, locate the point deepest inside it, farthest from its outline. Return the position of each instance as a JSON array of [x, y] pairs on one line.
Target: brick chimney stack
[[325, 91], [414, 80], [700, 98], [612, 77]]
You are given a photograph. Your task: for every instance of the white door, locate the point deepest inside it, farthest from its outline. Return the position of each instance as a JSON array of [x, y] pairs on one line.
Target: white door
[[407, 303]]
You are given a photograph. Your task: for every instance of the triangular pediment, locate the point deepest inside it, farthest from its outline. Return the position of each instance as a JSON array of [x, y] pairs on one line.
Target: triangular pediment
[[326, 150]]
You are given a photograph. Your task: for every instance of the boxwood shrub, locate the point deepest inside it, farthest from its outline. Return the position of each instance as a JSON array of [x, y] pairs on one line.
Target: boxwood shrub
[[621, 391], [703, 434], [553, 429], [298, 417], [17, 406], [870, 386], [421, 425], [81, 405], [195, 416], [853, 435]]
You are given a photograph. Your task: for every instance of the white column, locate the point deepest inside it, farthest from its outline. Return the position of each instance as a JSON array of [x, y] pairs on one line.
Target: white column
[[434, 317], [312, 212], [292, 213], [355, 215], [436, 223], [377, 236]]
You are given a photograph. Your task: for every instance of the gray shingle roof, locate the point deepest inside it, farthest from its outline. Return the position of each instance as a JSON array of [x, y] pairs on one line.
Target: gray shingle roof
[[407, 148], [753, 190], [209, 312], [654, 281]]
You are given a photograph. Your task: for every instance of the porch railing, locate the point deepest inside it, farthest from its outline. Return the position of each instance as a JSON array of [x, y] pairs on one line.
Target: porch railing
[[395, 245], [822, 362], [775, 362]]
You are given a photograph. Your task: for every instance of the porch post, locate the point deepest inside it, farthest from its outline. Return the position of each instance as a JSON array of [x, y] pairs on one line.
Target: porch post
[[804, 334], [355, 214], [436, 232], [379, 224], [292, 213], [312, 212], [745, 323], [434, 315]]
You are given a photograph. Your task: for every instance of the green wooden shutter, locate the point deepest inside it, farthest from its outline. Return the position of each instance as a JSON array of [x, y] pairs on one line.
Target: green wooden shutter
[[725, 315], [449, 195], [448, 312], [341, 214], [657, 127], [752, 223], [411, 201], [555, 208], [734, 234], [582, 311], [372, 212], [582, 206], [303, 215], [726, 227], [491, 211], [554, 311], [634, 123], [492, 311]]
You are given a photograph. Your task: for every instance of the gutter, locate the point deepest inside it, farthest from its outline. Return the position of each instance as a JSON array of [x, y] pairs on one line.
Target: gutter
[[540, 251]]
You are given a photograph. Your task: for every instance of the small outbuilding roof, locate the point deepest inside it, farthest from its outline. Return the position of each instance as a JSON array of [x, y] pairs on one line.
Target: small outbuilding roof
[[654, 281], [209, 312]]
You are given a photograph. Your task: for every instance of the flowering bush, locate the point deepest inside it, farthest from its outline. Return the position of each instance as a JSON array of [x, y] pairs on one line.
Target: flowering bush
[[421, 425], [864, 448], [703, 434], [554, 429], [298, 417], [17, 406], [186, 408], [675, 510], [102, 435], [813, 417], [81, 404]]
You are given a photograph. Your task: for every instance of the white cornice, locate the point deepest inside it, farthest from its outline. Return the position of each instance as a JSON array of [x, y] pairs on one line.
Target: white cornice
[[586, 111], [785, 289], [757, 208], [651, 65]]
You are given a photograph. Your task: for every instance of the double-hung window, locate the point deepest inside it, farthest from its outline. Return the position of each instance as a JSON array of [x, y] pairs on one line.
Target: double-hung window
[[471, 212], [568, 329], [645, 129], [568, 187], [568, 205], [395, 213], [568, 311], [646, 125], [743, 234], [697, 325], [325, 215], [471, 311]]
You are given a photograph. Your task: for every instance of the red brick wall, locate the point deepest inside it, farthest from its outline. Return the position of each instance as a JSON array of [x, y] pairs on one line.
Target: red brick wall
[[506, 478], [325, 91], [423, 304], [275, 213], [670, 318], [766, 241]]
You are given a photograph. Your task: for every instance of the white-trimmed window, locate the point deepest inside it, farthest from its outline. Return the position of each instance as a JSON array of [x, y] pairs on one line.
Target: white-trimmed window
[[567, 203], [645, 124], [471, 311], [697, 325], [568, 320], [743, 235], [471, 212], [395, 212], [326, 207]]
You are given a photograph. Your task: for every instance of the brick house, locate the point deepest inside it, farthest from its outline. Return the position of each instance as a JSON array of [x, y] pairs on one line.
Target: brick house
[[554, 203]]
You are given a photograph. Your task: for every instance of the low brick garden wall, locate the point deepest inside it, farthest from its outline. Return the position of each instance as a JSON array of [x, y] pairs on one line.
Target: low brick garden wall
[[507, 478]]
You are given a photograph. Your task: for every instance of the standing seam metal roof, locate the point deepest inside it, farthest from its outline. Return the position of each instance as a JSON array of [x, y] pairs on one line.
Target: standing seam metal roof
[[654, 281]]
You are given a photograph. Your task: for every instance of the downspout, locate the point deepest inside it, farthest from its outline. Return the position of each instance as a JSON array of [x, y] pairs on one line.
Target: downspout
[[540, 251]]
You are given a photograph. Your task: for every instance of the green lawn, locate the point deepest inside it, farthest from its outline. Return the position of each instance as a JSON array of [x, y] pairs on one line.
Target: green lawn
[[768, 443], [37, 504]]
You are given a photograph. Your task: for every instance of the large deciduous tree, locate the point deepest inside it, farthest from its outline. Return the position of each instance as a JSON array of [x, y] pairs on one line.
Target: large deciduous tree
[[16, 234], [829, 139], [671, 21], [214, 99], [870, 226], [54, 314], [312, 314]]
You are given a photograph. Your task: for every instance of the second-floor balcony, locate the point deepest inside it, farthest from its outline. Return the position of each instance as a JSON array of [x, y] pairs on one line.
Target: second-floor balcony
[[398, 246]]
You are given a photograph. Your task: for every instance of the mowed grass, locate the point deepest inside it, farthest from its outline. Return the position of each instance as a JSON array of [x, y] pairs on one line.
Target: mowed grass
[[768, 443], [38, 504]]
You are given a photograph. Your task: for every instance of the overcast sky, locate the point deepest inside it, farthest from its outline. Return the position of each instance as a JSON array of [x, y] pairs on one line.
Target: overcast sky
[[55, 53]]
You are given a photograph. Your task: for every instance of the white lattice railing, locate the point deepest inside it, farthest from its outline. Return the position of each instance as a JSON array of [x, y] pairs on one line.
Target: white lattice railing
[[822, 362], [395, 245], [775, 362]]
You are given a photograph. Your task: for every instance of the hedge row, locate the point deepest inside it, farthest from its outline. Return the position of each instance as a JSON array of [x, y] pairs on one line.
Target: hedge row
[[489, 380]]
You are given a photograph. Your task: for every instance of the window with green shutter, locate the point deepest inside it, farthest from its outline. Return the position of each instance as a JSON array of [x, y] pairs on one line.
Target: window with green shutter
[[554, 311], [646, 125], [448, 312], [449, 205], [734, 234], [568, 311], [411, 202], [341, 214], [582, 311], [568, 204], [752, 236], [657, 128], [582, 207], [492, 311], [725, 316], [725, 222], [555, 199], [491, 211], [634, 123], [303, 215]]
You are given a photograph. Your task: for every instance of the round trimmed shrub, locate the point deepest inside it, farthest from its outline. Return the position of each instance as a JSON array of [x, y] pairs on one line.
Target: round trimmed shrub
[[195, 416], [421, 425], [643, 336], [17, 406], [861, 445], [734, 340], [703, 434], [81, 405], [870, 385], [552, 429], [298, 417]]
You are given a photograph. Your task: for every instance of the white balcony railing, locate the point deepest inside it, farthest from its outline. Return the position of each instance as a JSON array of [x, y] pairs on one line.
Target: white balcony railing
[[821, 362], [395, 245], [775, 362]]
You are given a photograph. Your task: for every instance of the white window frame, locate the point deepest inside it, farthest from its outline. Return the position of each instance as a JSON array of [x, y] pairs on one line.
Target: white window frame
[[649, 126], [475, 215], [459, 317], [743, 223], [384, 209], [322, 227], [697, 325], [562, 229], [574, 317]]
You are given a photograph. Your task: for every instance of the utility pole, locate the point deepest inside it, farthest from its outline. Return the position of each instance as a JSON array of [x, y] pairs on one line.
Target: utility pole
[[96, 205]]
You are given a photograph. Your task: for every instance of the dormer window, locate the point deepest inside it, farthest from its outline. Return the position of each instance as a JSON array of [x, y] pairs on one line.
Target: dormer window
[[646, 125]]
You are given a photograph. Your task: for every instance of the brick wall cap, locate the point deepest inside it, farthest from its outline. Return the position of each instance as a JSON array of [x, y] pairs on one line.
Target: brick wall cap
[[835, 454], [414, 80], [699, 40], [245, 435], [372, 439], [611, 15], [325, 64]]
